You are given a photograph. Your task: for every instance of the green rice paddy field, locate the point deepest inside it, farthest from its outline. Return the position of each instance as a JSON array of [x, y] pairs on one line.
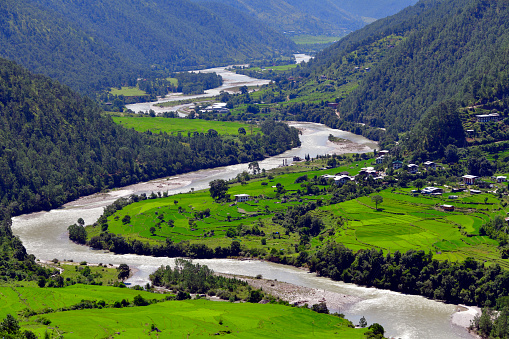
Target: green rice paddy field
[[176, 125], [402, 222], [128, 91], [173, 319], [15, 298]]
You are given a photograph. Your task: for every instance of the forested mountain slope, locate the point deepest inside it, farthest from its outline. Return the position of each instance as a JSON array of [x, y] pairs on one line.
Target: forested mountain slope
[[451, 50], [374, 9], [92, 44], [298, 16], [48, 43], [56, 146]]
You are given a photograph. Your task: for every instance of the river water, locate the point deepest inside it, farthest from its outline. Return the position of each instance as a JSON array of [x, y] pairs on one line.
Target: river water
[[403, 316], [231, 81]]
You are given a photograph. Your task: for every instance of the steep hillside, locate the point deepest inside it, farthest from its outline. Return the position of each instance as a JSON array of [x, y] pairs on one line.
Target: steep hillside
[[90, 45], [297, 16], [48, 43], [451, 50], [374, 9]]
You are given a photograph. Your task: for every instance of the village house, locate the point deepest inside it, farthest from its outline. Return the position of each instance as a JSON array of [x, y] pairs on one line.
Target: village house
[[501, 179], [488, 117], [342, 179], [432, 190], [397, 164], [413, 168], [242, 197], [368, 171], [469, 179], [430, 165], [383, 152], [448, 208], [339, 179], [380, 160]]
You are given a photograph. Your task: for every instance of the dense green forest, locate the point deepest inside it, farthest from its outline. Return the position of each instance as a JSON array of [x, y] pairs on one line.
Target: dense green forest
[[91, 46], [56, 145], [17, 264], [186, 82], [373, 9], [299, 17], [46, 42]]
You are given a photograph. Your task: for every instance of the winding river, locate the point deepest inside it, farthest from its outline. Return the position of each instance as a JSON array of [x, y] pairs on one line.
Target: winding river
[[403, 316]]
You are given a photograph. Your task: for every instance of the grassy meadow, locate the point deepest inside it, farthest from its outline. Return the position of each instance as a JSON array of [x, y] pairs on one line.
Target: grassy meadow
[[128, 91], [14, 298], [314, 39], [177, 125], [182, 319]]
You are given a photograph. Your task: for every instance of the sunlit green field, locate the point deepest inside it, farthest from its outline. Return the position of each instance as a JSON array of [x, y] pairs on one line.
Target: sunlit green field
[[26, 295], [313, 39], [404, 222], [176, 125], [184, 319], [128, 91]]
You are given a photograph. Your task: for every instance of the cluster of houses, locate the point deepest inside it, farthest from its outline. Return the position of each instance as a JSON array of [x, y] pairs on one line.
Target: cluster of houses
[[219, 107], [397, 164], [343, 177]]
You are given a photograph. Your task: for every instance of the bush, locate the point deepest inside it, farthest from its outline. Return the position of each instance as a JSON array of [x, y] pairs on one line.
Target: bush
[[320, 308], [223, 294], [140, 301]]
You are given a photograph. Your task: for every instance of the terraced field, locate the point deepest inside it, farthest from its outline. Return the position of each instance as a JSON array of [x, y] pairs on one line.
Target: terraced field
[[404, 222], [182, 319], [15, 298]]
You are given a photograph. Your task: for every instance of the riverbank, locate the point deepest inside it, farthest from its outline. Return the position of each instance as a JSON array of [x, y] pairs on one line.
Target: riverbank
[[298, 295], [464, 316], [337, 302]]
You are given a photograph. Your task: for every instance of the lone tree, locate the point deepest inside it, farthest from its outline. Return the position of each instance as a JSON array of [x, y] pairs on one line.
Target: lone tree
[[419, 183], [254, 166], [218, 189], [123, 271], [362, 322], [377, 200]]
